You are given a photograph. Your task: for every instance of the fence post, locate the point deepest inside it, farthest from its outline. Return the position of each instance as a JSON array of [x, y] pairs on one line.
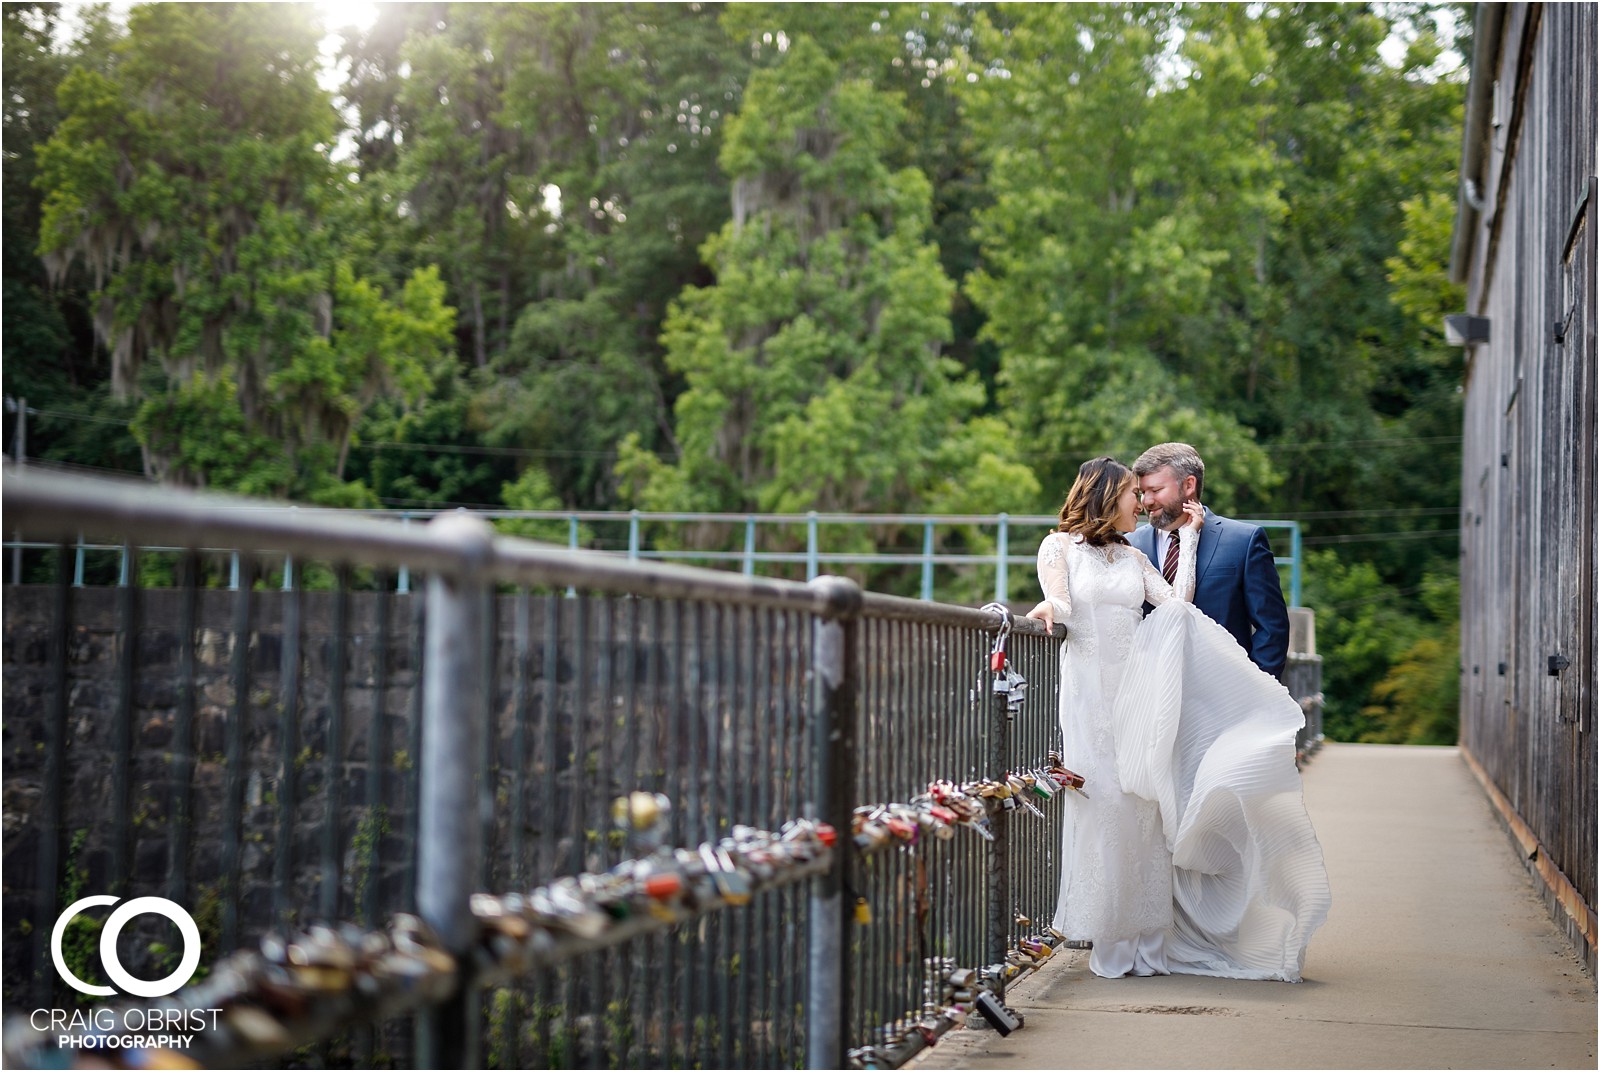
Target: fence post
[[1294, 570], [811, 545], [927, 560], [997, 756], [449, 842], [835, 640]]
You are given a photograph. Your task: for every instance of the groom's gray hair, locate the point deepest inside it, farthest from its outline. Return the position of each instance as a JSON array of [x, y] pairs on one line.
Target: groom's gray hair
[[1183, 459]]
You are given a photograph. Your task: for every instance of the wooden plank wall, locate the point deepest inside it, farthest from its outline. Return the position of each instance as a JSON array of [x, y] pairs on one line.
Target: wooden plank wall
[[1530, 514]]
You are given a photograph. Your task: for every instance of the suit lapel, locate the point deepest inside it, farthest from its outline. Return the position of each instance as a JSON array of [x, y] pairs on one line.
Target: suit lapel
[[1210, 540], [1142, 540]]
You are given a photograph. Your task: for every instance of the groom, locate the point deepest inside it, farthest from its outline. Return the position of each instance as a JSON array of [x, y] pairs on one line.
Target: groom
[[1236, 582]]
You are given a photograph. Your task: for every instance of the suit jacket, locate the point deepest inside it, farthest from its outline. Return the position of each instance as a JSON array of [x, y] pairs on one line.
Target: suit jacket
[[1236, 585]]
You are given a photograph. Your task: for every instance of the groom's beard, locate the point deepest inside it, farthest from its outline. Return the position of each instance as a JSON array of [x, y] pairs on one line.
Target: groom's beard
[[1165, 520]]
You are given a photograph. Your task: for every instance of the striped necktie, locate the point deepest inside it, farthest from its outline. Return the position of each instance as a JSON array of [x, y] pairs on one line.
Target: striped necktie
[[1169, 567]]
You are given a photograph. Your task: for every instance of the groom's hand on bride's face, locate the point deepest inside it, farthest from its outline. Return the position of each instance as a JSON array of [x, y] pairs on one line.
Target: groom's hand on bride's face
[[1045, 613]]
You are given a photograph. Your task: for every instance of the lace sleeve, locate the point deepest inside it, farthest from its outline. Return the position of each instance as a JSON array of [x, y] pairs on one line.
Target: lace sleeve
[[1156, 589], [1053, 575]]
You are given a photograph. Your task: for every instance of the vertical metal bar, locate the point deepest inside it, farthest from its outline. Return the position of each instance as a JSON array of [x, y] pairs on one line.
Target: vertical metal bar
[[550, 823], [998, 923], [521, 662], [574, 805], [233, 775], [633, 536], [233, 571], [578, 860], [377, 757], [183, 733], [750, 545], [550, 820], [19, 454], [288, 746], [765, 733], [638, 996], [602, 971], [122, 569], [77, 563], [454, 712], [811, 546], [829, 985], [402, 583], [1294, 568], [1002, 561], [724, 730], [677, 765], [927, 560], [744, 716], [488, 774], [333, 759], [572, 543], [54, 780], [694, 766], [789, 760], [411, 791], [122, 733]]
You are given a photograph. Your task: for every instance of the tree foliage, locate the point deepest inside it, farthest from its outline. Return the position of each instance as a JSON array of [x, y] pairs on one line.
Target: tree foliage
[[751, 257]]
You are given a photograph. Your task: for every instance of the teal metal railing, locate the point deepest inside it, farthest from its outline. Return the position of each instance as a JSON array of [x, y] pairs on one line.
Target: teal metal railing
[[625, 532]]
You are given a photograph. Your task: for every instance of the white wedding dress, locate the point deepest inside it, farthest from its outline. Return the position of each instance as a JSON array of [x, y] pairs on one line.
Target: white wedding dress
[[1192, 851]]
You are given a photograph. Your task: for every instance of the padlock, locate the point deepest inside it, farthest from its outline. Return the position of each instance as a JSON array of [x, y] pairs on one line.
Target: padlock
[[1000, 1018], [735, 882]]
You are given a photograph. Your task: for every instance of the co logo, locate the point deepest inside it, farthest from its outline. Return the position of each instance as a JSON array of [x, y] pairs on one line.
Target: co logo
[[129, 984]]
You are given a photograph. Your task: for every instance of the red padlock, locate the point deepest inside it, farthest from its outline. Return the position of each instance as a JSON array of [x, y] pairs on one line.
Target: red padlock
[[663, 885], [997, 660]]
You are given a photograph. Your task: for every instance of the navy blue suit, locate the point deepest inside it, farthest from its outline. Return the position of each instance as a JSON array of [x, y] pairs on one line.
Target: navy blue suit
[[1236, 584]]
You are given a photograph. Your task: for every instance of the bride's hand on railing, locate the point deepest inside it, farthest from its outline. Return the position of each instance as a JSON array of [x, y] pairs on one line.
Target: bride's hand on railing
[[1045, 613]]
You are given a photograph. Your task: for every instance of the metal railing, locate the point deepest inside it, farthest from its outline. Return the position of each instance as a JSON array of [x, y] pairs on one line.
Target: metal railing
[[630, 533], [269, 757]]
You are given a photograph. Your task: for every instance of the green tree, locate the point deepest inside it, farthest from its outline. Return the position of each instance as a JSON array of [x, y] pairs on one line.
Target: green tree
[[627, 106], [49, 358], [189, 181], [1130, 194], [813, 372], [1418, 700]]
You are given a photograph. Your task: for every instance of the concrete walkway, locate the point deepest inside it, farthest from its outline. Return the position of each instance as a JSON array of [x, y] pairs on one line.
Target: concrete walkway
[[1437, 954]]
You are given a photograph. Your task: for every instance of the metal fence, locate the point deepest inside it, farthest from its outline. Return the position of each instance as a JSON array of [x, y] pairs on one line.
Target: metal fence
[[976, 545], [269, 757]]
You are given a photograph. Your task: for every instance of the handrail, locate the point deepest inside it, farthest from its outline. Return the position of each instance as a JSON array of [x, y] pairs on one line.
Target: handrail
[[256, 514], [64, 507]]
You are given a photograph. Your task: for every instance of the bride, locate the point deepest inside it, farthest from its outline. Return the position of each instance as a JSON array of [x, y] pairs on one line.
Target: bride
[[1192, 851]]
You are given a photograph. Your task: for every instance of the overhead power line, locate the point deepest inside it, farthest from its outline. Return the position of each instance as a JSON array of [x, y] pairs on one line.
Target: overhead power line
[[1372, 537]]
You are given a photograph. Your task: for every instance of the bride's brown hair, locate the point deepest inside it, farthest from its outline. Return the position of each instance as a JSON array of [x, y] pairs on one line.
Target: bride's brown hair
[[1091, 506]]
